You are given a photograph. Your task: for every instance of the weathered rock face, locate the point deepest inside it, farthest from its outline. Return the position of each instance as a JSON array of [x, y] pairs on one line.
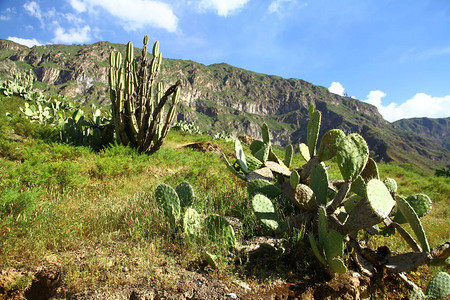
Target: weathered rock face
[[221, 97]]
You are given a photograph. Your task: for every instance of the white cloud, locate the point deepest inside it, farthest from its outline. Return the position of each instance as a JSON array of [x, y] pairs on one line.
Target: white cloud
[[34, 10], [27, 42], [337, 88], [283, 7], [72, 35], [222, 7], [78, 5], [134, 14], [421, 105]]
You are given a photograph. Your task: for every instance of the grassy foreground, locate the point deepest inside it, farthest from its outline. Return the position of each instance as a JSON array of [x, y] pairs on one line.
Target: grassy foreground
[[96, 216]]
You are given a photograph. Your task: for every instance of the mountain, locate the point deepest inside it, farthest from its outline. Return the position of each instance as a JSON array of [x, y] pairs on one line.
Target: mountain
[[221, 97], [436, 129]]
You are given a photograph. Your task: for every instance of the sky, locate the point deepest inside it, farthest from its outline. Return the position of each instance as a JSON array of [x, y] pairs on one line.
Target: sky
[[394, 54]]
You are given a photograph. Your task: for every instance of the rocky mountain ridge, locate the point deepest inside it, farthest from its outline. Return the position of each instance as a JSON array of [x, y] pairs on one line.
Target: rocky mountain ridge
[[221, 97]]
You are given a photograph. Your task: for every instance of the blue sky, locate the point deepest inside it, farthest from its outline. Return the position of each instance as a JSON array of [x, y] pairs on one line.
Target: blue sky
[[394, 54]]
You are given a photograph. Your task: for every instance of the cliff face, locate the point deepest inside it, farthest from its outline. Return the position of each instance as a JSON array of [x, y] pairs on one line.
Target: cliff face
[[222, 97]]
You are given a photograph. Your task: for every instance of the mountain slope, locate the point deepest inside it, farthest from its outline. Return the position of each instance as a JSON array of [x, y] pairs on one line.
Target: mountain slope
[[436, 129], [221, 97]]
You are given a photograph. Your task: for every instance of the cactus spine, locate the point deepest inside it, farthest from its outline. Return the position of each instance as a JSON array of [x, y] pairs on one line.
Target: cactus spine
[[138, 101]]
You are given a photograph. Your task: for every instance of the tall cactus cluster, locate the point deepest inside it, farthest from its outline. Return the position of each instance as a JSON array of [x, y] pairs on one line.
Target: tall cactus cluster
[[139, 101], [334, 211]]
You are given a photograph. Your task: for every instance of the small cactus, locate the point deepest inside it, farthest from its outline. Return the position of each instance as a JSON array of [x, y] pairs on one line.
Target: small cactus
[[439, 286], [220, 230], [192, 222], [167, 197]]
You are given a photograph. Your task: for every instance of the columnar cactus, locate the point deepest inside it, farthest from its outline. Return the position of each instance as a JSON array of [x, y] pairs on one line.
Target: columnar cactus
[[138, 101]]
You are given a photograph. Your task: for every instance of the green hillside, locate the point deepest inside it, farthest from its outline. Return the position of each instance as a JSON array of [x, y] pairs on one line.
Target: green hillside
[[78, 223]]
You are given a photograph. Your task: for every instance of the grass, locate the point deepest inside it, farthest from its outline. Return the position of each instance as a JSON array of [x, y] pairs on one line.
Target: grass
[[95, 213]]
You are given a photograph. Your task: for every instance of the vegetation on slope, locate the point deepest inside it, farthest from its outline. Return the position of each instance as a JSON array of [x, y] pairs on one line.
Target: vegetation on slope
[[95, 216]]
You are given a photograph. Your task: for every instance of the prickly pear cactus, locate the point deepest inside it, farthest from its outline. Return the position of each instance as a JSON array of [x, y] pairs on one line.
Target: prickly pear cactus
[[304, 197], [372, 209], [352, 156], [313, 132], [220, 230], [319, 183], [264, 187], [185, 193], [391, 184], [330, 249], [328, 144], [413, 220], [304, 151], [294, 179], [192, 223], [370, 171], [265, 211], [439, 286], [421, 204], [240, 155], [288, 156], [167, 197]]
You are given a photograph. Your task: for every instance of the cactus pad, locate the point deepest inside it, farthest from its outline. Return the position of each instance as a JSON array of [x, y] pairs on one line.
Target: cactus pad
[[333, 245], [379, 198], [263, 153], [304, 197], [413, 220], [304, 151], [328, 144], [265, 133], [240, 155], [294, 179], [352, 156], [167, 197], [219, 229], [192, 222], [359, 186], [370, 170], [185, 193], [421, 204], [261, 186], [277, 168], [265, 211], [319, 183], [253, 163], [336, 265], [439, 286], [288, 155], [391, 184], [312, 130], [255, 146]]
